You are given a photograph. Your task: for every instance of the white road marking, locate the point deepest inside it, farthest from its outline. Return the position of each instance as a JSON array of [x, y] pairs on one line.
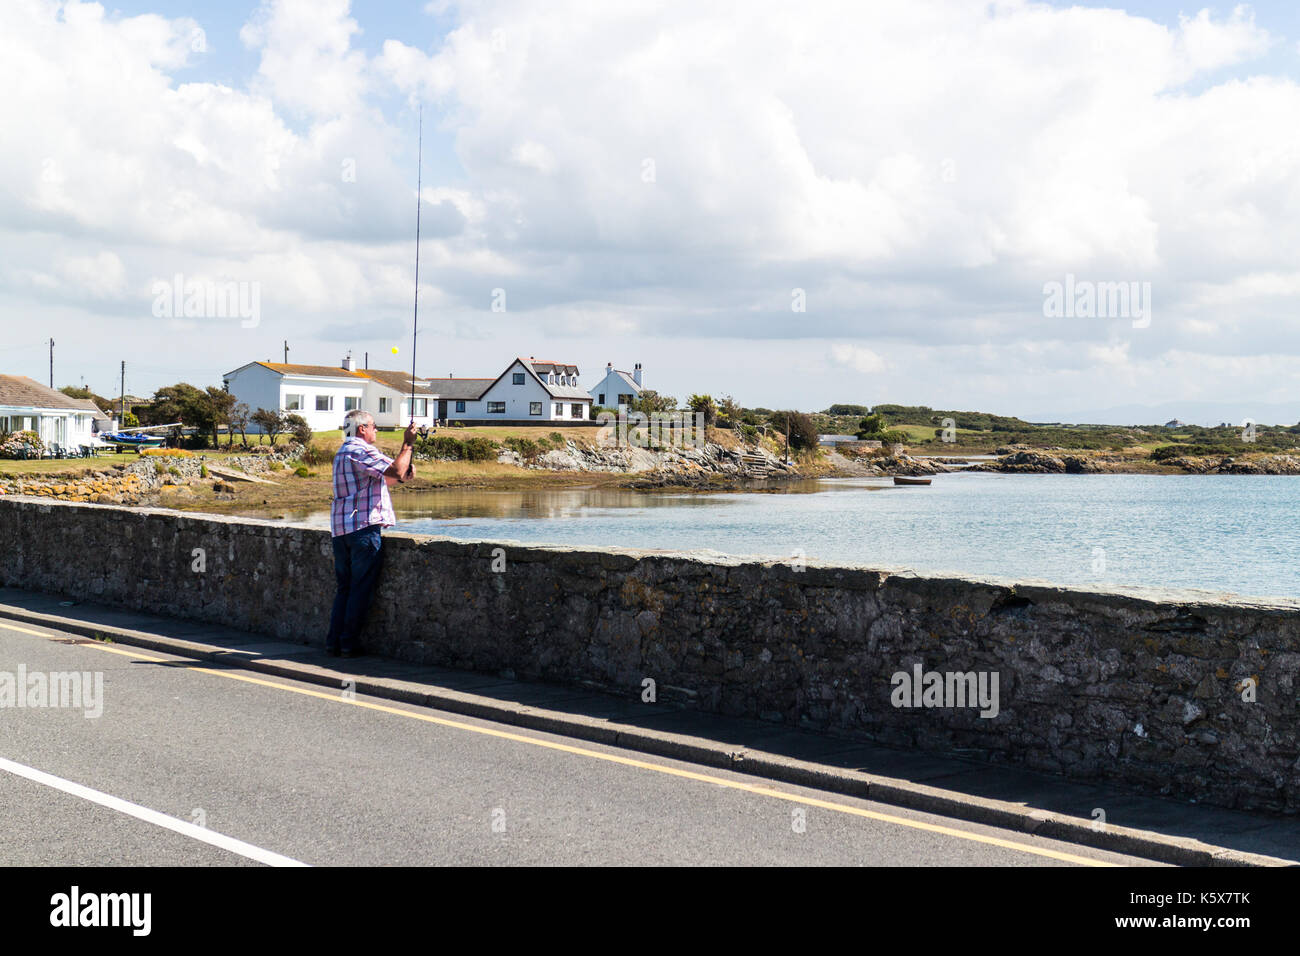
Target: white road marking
[[191, 830]]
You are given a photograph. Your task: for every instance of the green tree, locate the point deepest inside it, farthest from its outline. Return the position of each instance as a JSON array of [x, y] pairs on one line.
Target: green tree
[[729, 411], [799, 426], [871, 426], [298, 427], [651, 401], [240, 415], [217, 411], [270, 421], [705, 404], [104, 404]]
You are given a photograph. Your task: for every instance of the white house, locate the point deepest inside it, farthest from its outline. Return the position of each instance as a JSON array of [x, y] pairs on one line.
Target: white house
[[27, 405], [323, 394], [529, 391], [617, 388]]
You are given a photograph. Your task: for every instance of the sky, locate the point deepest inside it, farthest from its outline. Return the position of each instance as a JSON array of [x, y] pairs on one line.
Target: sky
[[791, 204]]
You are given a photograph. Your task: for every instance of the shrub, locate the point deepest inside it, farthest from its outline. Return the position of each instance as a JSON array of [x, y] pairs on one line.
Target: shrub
[[276, 466], [302, 472], [15, 443], [1165, 452], [203, 471], [526, 447], [706, 405], [803, 433], [479, 448], [313, 454], [173, 470], [441, 446], [166, 453], [160, 468], [557, 438], [297, 427]]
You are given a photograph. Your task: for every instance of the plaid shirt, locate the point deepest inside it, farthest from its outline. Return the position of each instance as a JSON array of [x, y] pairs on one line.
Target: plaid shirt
[[360, 492]]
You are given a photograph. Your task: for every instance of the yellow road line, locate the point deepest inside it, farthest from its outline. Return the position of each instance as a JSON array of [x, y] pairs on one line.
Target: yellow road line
[[612, 758]]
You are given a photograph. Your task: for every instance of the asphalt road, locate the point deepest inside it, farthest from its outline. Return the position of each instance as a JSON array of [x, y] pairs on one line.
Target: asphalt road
[[193, 764]]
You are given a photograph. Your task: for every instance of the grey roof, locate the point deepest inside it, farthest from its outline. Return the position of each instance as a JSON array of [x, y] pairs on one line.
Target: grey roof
[[542, 369], [459, 389], [399, 381], [567, 391], [20, 391], [626, 377]]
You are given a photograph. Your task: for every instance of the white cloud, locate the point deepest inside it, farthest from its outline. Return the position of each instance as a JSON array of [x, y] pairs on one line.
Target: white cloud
[[920, 169], [857, 358], [306, 58]]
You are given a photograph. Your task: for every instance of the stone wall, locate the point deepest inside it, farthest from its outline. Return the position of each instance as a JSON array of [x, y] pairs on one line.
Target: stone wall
[[1147, 688]]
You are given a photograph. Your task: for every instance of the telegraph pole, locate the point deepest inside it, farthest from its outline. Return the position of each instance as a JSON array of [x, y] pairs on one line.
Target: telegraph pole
[[51, 363], [286, 351], [122, 423]]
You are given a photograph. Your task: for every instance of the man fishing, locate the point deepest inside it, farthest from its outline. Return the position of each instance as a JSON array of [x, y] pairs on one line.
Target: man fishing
[[360, 510]]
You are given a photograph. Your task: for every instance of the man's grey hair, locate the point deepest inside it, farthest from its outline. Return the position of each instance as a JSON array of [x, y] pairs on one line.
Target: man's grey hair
[[354, 420]]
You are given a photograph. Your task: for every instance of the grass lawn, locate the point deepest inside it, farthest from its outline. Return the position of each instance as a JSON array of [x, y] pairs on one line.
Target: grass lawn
[[57, 466]]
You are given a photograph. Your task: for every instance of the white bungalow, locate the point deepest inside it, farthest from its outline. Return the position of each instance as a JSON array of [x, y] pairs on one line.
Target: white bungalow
[[27, 405], [617, 388], [323, 394]]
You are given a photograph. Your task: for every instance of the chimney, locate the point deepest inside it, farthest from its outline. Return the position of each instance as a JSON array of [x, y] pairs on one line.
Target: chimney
[[609, 367], [348, 364], [636, 374]]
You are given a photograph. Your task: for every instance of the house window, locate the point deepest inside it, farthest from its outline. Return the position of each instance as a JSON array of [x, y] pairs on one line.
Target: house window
[[559, 411], [518, 378], [496, 408], [421, 408], [576, 409], [292, 403], [350, 403], [383, 404], [460, 406], [324, 403], [625, 399], [602, 399], [534, 408]]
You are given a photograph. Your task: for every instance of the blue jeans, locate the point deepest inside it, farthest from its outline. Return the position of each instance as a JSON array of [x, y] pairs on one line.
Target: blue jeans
[[357, 559]]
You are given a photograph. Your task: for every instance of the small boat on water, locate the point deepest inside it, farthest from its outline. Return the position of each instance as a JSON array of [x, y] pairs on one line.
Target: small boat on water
[[901, 480]]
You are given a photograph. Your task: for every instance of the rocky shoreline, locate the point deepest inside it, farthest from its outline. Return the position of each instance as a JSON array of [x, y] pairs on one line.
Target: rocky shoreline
[[710, 466], [140, 482]]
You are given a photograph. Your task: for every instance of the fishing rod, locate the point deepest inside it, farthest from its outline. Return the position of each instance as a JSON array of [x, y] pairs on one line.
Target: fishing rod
[[415, 322]]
